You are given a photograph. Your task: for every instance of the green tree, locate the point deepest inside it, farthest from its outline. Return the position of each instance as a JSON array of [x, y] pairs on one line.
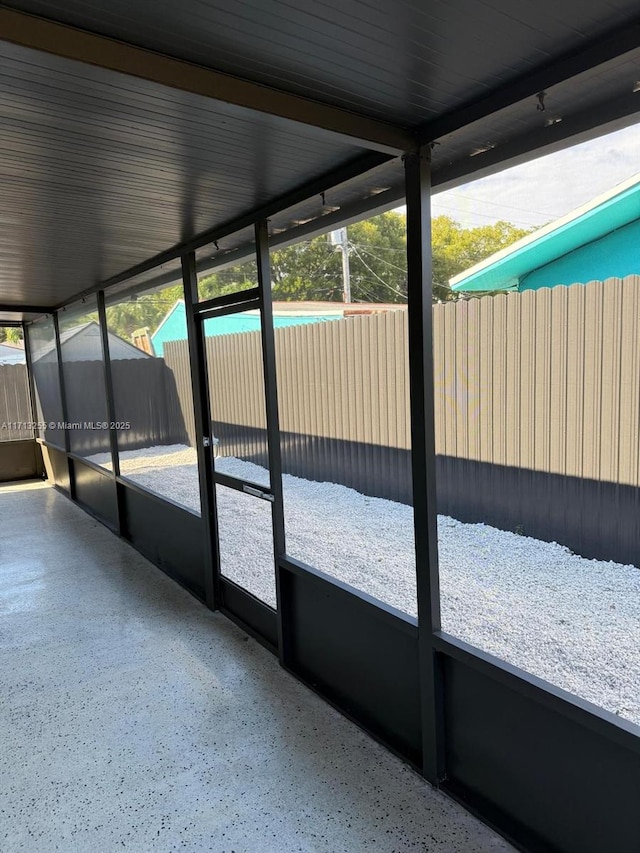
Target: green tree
[[455, 248], [229, 280], [312, 269], [10, 334], [377, 257], [144, 311]]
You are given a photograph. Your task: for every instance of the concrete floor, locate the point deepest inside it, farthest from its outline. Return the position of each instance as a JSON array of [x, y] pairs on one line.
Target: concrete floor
[[133, 718]]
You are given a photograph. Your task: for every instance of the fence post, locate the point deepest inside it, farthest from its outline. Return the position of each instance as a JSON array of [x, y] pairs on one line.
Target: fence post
[[419, 291]]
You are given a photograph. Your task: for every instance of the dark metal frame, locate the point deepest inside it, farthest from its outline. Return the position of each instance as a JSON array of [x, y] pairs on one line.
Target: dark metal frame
[[423, 455], [108, 382], [446, 669], [199, 389], [63, 404], [239, 604], [32, 390], [271, 404]]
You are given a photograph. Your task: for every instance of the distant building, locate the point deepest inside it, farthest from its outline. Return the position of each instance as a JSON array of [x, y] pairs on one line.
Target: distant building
[[174, 325], [12, 353], [597, 241], [83, 343]]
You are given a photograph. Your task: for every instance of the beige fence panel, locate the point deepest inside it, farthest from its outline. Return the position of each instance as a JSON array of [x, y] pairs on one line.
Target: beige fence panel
[[344, 379], [547, 380]]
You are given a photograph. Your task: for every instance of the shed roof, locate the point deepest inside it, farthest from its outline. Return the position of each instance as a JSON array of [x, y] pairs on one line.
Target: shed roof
[[91, 327]]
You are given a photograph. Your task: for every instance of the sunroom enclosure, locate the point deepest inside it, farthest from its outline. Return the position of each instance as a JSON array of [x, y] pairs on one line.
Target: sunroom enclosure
[[151, 440], [467, 721]]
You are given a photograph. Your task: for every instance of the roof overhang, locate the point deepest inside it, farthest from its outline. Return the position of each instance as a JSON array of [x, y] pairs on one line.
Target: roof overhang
[[119, 156]]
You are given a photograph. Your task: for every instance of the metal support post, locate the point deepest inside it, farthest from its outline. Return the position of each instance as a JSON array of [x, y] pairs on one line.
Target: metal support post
[[271, 401], [419, 285], [202, 418]]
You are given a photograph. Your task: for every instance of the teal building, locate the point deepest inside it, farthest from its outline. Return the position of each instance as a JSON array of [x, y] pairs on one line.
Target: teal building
[[597, 241]]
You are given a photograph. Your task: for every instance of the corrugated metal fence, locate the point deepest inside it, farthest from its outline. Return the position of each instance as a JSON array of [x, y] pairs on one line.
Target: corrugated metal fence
[[546, 380], [538, 411], [15, 406], [145, 395]]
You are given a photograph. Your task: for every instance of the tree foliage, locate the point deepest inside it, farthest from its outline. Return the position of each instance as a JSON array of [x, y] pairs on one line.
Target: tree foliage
[[144, 311], [10, 334], [312, 270], [455, 248]]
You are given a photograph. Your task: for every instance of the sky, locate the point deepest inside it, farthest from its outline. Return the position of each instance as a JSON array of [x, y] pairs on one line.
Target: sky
[[548, 187]]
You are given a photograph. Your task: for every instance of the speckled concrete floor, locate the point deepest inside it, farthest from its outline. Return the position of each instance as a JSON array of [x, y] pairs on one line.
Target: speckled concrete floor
[[133, 718]]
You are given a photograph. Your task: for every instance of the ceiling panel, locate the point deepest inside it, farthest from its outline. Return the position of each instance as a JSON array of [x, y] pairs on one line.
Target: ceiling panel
[[10, 317], [401, 61], [100, 171]]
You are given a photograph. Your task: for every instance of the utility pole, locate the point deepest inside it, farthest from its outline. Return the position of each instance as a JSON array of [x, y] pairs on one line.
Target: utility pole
[[339, 240]]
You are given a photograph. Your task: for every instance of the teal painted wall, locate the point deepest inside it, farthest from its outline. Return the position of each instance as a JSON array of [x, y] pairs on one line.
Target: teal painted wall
[[175, 326], [613, 256]]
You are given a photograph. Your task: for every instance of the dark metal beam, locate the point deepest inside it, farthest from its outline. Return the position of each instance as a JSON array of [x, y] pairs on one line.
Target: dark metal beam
[[225, 311], [25, 309], [271, 406], [202, 418], [228, 300], [108, 385], [63, 406], [614, 44], [587, 124], [72, 43], [423, 456], [30, 378]]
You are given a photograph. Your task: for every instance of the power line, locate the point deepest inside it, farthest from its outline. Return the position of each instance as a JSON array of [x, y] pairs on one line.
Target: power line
[[496, 203], [487, 216], [383, 260], [373, 273]]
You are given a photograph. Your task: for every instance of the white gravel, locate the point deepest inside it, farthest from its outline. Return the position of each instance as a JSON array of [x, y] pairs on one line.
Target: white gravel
[[571, 621], [148, 467]]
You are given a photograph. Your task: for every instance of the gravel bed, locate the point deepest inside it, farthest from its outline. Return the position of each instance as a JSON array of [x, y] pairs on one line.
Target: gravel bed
[[571, 621]]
